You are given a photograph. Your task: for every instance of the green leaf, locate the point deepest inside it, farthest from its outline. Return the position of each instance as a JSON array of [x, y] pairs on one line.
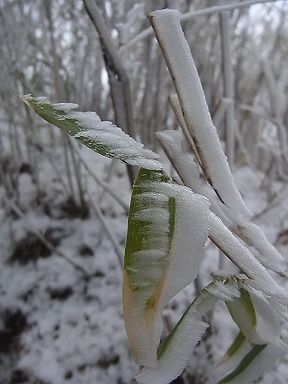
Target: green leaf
[[167, 231], [255, 361], [101, 136], [259, 343], [255, 317], [176, 349], [236, 345], [243, 313], [245, 362]]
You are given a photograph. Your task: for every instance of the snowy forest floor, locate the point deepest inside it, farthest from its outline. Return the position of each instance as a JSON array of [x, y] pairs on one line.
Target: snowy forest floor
[[58, 327]]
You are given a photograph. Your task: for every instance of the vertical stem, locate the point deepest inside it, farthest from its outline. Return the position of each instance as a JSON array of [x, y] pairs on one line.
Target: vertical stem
[[180, 63], [55, 57], [227, 71], [68, 169], [78, 176], [117, 74], [228, 86], [113, 239]]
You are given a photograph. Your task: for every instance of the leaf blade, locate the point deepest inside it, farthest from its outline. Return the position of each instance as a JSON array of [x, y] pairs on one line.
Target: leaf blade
[[159, 257], [101, 136], [174, 351]]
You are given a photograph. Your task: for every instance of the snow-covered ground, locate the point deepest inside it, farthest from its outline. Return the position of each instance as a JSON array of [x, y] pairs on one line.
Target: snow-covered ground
[[59, 327]]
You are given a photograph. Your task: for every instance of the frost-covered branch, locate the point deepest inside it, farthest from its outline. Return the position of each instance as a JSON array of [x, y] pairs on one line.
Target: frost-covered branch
[[180, 63], [118, 78], [102, 183], [176, 107], [196, 13], [188, 172], [111, 236]]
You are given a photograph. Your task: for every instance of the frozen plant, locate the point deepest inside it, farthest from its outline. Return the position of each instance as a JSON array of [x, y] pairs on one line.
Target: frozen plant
[[169, 224]]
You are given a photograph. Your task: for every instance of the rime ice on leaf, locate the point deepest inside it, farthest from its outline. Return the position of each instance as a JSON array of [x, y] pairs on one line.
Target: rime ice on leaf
[[259, 343], [268, 254], [257, 320], [248, 362], [100, 136], [177, 54], [187, 169], [175, 350], [183, 163], [255, 350], [259, 277], [167, 231]]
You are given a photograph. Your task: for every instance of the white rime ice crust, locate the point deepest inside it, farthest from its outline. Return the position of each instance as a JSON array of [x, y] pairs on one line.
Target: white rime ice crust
[[186, 335], [265, 361], [168, 260], [184, 165], [120, 145], [268, 254], [229, 363], [101, 136], [176, 358], [267, 326], [188, 171], [261, 326], [181, 65], [245, 260]]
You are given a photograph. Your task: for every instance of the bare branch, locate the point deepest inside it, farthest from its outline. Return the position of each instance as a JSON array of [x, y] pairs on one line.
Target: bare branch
[[111, 236], [118, 78], [228, 84], [201, 12]]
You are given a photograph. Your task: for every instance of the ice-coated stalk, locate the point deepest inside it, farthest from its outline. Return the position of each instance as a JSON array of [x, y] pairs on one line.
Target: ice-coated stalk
[[175, 49]]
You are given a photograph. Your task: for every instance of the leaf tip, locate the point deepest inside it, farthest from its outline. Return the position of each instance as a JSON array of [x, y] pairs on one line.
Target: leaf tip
[[26, 98]]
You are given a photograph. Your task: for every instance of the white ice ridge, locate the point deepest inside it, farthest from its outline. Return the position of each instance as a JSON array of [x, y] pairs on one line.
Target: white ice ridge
[[166, 24]]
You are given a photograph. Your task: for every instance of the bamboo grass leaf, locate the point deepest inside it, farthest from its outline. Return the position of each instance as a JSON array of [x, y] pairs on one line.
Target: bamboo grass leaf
[[167, 231], [257, 320], [185, 167], [259, 277], [255, 361], [253, 235], [101, 136], [245, 360], [175, 351], [259, 343], [177, 54]]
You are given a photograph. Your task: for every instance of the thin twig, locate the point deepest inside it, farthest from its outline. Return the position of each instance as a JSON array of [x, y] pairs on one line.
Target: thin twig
[[57, 171], [201, 12], [117, 248], [108, 177], [228, 85], [275, 201], [118, 78], [102, 183], [220, 113]]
